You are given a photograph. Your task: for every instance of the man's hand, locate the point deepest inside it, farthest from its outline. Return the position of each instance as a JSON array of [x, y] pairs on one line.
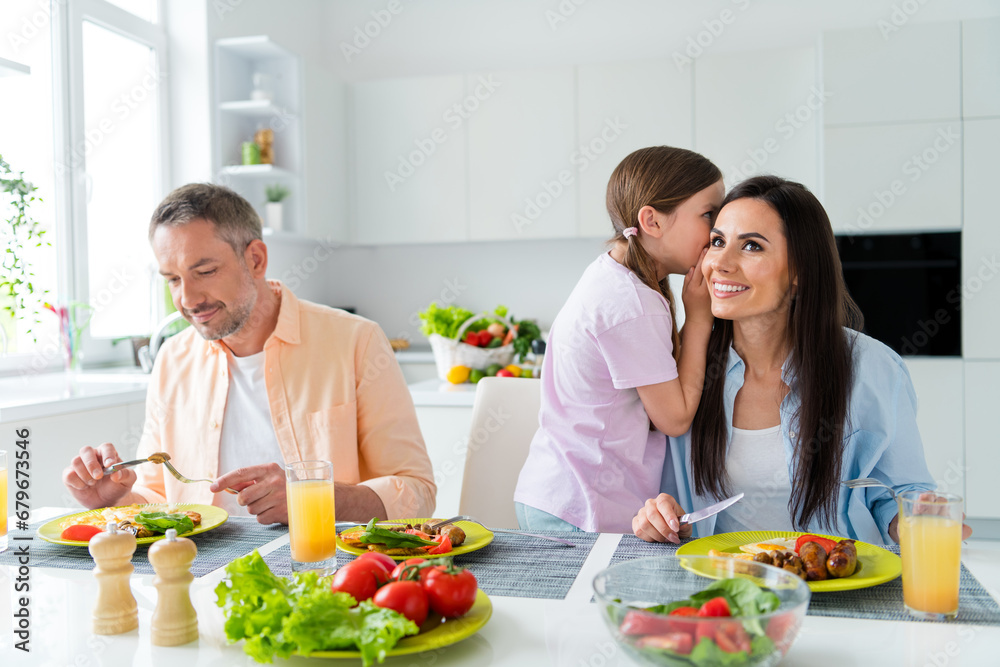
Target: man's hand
[[85, 479], [262, 491], [658, 521]]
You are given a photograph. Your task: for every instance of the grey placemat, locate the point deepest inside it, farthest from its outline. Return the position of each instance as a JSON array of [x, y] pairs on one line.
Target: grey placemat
[[237, 537], [883, 602], [512, 565]]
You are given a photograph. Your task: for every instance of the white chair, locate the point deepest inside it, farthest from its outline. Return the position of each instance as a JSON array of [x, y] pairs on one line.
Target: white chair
[[504, 420]]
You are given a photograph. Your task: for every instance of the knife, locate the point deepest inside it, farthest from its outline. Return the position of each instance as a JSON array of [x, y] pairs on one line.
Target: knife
[[706, 512]]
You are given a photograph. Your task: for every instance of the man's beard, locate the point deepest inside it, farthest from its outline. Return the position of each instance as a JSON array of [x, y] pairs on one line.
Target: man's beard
[[233, 318]]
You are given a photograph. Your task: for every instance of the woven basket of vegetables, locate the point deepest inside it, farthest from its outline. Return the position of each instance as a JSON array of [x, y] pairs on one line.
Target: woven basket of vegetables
[[459, 337]]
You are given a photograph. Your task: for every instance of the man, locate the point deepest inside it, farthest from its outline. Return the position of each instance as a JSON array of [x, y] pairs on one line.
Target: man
[[259, 379]]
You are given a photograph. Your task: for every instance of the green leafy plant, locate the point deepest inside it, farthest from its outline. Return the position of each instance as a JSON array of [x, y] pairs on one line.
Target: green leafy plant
[[20, 232], [276, 192]]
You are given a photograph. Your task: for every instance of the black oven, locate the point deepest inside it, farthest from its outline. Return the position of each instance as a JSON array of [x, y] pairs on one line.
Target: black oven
[[908, 287]]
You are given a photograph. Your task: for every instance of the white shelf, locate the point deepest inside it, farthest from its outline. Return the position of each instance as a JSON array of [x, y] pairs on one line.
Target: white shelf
[[12, 68], [255, 108], [258, 170], [257, 47]]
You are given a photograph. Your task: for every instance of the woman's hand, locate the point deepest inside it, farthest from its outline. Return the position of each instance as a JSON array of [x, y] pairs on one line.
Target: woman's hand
[[696, 297], [658, 520]]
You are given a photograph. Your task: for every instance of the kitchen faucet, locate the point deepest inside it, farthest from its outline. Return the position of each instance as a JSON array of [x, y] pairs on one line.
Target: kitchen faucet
[[147, 353]]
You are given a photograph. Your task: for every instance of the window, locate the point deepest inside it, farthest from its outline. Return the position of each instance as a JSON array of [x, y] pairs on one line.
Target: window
[[26, 143], [116, 70]]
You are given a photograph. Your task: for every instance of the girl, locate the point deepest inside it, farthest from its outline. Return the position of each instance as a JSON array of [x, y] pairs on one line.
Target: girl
[[615, 361]]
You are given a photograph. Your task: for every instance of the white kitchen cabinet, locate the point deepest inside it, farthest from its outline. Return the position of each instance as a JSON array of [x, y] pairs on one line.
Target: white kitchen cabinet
[[622, 107], [409, 150], [981, 68], [759, 113], [982, 444], [55, 440], [940, 385], [522, 142], [894, 178], [980, 289], [446, 433], [878, 75], [240, 64]]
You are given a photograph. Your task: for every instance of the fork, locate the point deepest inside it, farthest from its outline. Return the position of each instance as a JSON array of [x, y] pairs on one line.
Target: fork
[[464, 517], [175, 473], [867, 481]]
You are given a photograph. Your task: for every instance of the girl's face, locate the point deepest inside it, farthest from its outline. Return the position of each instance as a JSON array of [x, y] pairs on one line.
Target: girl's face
[[747, 262], [686, 230]]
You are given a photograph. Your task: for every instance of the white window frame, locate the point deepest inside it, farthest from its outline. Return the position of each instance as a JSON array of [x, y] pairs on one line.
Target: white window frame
[[72, 213]]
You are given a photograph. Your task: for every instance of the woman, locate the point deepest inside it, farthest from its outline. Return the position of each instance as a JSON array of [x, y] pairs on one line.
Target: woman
[[794, 401]]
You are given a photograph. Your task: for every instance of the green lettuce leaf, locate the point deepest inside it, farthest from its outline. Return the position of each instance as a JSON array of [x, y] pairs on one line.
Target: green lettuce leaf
[[160, 522]]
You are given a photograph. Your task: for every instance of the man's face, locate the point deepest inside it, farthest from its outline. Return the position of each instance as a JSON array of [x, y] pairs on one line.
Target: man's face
[[210, 285]]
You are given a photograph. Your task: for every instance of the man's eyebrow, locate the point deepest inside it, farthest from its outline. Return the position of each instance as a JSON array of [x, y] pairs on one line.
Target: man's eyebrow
[[203, 262]]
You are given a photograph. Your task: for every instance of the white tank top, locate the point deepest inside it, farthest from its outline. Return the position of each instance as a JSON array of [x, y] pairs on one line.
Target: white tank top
[[756, 466], [247, 433]]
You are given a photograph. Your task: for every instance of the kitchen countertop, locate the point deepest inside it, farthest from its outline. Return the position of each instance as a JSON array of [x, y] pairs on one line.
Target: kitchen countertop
[[36, 395], [440, 393]]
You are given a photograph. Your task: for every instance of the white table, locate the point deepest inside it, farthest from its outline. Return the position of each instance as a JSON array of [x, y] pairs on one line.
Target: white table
[[522, 631]]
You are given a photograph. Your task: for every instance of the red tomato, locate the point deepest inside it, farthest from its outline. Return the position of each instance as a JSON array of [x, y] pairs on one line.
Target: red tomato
[[827, 544], [471, 338], [406, 597], [360, 578], [397, 571], [451, 591], [80, 533], [684, 611], [387, 561], [504, 373], [705, 629], [485, 337], [643, 623], [732, 637], [443, 547], [715, 607], [678, 642], [782, 630]]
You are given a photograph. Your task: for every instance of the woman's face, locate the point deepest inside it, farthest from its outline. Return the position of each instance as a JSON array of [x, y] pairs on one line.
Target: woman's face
[[747, 262]]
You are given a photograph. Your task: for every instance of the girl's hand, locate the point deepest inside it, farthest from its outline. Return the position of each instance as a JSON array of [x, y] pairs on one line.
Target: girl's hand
[[658, 520], [696, 297]]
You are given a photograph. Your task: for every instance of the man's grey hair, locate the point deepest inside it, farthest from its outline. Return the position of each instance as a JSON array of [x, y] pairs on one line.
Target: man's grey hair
[[236, 222]]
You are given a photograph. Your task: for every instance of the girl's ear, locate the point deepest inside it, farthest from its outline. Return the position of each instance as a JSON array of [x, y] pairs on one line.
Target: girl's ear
[[651, 222]]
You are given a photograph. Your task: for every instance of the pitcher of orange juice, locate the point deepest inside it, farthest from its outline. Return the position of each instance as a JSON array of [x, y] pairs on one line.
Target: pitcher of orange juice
[[930, 544]]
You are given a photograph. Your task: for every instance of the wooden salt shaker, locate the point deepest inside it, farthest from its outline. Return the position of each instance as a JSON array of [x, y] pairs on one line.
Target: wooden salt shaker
[[115, 611], [175, 620]]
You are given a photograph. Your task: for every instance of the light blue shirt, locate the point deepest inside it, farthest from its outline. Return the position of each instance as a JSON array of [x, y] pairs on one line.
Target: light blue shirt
[[881, 441]]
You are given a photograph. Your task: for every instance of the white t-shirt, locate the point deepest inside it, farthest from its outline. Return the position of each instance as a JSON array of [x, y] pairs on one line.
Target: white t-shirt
[[247, 433], [756, 466]]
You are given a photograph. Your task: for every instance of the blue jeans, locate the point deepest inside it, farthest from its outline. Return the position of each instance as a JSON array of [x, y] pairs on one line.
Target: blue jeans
[[530, 518]]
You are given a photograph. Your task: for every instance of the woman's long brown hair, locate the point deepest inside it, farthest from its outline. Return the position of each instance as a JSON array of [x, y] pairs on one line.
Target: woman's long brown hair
[[821, 359], [662, 177]]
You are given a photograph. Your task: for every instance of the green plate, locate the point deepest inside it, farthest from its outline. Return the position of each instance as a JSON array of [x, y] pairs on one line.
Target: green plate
[[443, 632], [875, 564], [476, 537], [211, 517]]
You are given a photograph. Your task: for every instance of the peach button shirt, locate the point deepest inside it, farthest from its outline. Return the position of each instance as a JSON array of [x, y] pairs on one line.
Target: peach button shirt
[[335, 392]]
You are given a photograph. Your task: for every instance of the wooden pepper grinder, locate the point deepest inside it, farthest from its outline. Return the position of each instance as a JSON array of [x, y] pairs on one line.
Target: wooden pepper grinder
[[175, 621], [115, 611]]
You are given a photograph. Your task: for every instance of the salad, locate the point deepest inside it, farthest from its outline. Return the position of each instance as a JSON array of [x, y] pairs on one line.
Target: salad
[[694, 631]]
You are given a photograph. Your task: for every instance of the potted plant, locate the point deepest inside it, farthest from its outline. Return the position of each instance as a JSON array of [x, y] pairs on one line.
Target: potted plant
[[275, 193], [18, 294]]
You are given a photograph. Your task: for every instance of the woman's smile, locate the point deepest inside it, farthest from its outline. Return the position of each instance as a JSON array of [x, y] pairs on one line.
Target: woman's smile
[[725, 289]]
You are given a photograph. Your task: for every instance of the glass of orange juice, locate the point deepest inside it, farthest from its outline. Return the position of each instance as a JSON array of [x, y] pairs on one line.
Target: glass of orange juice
[[3, 501], [930, 544], [311, 524]]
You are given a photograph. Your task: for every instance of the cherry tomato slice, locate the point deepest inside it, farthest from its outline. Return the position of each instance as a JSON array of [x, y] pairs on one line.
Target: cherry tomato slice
[[80, 533]]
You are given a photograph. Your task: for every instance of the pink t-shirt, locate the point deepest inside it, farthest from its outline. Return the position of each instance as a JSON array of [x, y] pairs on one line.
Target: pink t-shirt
[[594, 460]]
